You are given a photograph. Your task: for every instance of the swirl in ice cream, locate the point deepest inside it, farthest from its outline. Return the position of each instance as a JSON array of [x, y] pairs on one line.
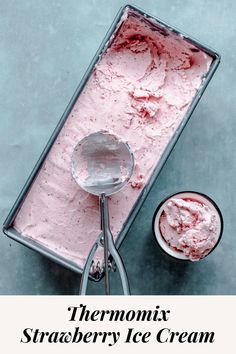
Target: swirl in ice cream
[[189, 226]]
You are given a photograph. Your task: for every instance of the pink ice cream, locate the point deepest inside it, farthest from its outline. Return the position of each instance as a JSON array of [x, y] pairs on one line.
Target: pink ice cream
[[189, 226], [140, 89]]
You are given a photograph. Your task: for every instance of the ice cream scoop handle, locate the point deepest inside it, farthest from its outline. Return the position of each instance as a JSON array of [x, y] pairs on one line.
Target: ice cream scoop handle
[[109, 246], [120, 265], [87, 267], [105, 230], [106, 235]]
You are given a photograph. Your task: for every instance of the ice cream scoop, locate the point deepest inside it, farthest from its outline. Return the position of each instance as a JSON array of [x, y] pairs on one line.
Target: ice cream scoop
[[188, 225], [102, 164]]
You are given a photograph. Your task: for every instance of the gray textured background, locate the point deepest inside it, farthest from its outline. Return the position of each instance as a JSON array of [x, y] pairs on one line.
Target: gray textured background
[[45, 47]]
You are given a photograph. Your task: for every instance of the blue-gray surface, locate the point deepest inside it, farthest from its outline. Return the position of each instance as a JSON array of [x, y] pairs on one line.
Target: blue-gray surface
[[45, 48]]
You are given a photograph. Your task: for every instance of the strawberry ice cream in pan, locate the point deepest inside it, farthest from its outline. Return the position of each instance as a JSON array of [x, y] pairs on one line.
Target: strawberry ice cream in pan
[[141, 88], [188, 225]]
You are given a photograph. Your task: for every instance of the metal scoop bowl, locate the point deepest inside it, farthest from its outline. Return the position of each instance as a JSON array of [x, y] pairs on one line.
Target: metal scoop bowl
[[102, 164]]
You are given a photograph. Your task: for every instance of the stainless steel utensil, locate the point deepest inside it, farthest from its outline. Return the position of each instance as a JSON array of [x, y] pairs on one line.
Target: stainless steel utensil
[[102, 164]]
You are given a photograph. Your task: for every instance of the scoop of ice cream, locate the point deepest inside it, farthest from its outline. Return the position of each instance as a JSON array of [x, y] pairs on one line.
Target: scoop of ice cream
[[189, 226]]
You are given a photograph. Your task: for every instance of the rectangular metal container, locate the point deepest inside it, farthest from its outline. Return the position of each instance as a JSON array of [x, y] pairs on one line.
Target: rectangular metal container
[[7, 227]]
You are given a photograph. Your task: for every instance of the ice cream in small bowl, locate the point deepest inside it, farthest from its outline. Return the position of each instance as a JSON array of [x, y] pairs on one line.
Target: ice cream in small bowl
[[188, 225]]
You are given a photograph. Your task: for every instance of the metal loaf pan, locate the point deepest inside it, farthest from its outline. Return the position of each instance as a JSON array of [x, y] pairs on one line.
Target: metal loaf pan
[[162, 28]]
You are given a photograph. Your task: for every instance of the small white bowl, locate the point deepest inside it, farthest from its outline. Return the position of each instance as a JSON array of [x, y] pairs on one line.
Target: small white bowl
[[202, 198]]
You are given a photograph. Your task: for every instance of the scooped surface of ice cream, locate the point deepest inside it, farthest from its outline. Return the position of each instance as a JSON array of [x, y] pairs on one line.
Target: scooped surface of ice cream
[[140, 89], [189, 226]]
